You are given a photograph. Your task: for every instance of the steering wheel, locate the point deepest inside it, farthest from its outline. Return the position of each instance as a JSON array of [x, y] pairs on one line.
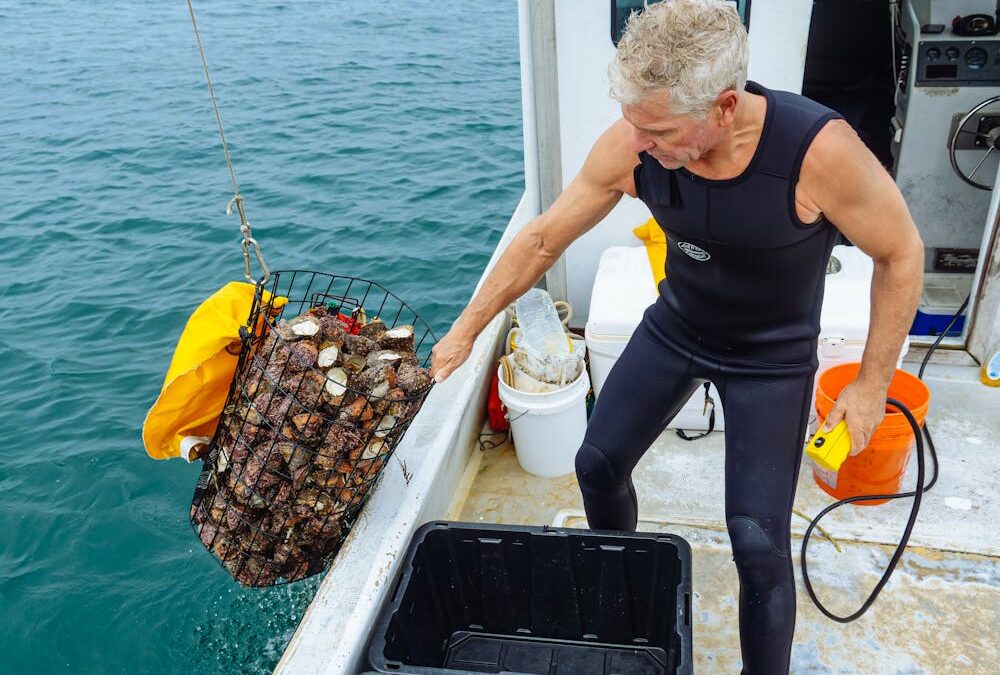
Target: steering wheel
[[990, 140]]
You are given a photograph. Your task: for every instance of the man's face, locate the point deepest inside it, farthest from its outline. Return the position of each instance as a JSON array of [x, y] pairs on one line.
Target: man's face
[[673, 140]]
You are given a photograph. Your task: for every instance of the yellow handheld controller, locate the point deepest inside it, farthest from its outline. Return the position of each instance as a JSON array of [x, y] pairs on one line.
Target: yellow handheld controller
[[829, 449]]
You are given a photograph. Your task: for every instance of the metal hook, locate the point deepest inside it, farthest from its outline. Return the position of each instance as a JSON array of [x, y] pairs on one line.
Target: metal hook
[[247, 243]]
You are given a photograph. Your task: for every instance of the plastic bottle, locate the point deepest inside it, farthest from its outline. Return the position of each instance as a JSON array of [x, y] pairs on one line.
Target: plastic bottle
[[540, 325], [990, 373]]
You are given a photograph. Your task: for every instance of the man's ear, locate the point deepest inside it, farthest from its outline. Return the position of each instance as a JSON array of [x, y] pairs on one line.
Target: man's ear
[[725, 107]]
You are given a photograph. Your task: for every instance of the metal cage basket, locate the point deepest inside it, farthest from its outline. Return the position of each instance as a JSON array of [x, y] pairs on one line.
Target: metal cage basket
[[326, 385]]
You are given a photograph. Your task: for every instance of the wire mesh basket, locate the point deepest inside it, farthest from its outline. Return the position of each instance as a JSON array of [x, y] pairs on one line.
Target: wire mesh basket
[[325, 387]]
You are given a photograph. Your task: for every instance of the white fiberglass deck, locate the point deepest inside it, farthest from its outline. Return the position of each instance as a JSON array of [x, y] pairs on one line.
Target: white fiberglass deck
[[940, 612]]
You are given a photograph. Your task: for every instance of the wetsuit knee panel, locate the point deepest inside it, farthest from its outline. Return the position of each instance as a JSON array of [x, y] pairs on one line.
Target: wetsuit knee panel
[[753, 546], [593, 468]]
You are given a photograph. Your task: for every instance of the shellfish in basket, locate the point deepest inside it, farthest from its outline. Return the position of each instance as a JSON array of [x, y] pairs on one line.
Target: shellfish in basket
[[319, 403]]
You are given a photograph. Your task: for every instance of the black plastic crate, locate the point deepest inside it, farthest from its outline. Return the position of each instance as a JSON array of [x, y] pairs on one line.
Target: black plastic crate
[[475, 598]]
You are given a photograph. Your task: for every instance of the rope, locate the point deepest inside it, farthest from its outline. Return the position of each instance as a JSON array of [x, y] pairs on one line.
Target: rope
[[822, 530], [248, 243]]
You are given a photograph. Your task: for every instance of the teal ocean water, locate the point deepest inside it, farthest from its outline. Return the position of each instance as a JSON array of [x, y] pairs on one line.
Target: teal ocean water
[[375, 139]]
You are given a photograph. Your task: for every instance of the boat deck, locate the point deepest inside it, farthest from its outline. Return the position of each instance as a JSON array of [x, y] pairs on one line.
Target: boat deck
[[938, 614]]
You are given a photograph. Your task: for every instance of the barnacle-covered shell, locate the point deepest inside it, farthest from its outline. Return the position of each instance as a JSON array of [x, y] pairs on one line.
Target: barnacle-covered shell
[[302, 356], [286, 552], [357, 411], [217, 508], [273, 407], [375, 448], [296, 457], [304, 326], [310, 501], [208, 532], [354, 473], [256, 540], [283, 495], [328, 478], [413, 379], [257, 572], [377, 379], [373, 330], [199, 512], [298, 571], [257, 381], [369, 458], [385, 426], [398, 339], [308, 390], [398, 406], [341, 436], [383, 357], [336, 385], [224, 546], [245, 411], [308, 427], [354, 363], [325, 526], [265, 343], [328, 356], [358, 344], [282, 332], [333, 331], [353, 494]]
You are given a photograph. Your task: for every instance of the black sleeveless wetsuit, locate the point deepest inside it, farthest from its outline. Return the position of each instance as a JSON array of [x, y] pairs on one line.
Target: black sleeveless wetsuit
[[739, 307]]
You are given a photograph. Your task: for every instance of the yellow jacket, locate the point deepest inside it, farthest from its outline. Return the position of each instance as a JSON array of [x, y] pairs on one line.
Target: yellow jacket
[[194, 391]]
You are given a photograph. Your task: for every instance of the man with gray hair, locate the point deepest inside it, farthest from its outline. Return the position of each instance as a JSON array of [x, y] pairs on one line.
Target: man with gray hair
[[751, 187]]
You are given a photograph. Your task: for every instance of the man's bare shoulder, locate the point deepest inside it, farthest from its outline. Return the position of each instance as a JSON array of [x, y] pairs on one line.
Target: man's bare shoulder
[[848, 184], [837, 164], [612, 160]]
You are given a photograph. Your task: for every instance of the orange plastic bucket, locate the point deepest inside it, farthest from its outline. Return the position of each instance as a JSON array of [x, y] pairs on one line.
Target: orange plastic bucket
[[880, 467]]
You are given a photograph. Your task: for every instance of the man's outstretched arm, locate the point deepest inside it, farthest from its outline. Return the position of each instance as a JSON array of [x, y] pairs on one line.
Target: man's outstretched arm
[[605, 176]]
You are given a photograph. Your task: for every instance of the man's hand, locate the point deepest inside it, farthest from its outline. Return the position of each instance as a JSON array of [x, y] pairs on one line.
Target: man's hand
[[863, 406], [449, 353]]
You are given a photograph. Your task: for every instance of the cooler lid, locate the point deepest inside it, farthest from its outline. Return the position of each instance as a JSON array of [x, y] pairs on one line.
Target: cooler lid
[[623, 288], [847, 297]]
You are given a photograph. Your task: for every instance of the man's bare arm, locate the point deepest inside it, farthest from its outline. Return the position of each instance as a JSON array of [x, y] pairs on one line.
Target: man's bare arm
[[605, 176], [847, 183]]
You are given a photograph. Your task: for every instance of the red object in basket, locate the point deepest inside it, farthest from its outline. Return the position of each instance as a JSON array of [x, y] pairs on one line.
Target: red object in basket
[[352, 324], [496, 411]]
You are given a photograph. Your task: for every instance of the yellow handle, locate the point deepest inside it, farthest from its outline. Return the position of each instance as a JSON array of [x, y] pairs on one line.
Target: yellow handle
[[829, 449], [515, 333]]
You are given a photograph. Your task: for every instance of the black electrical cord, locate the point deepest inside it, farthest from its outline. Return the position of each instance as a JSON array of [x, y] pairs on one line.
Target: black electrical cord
[[917, 494], [927, 356]]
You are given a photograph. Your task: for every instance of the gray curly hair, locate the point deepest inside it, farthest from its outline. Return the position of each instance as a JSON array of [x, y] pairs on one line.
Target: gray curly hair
[[694, 49]]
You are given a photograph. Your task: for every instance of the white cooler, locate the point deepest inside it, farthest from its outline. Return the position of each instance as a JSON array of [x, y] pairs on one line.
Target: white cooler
[[623, 288]]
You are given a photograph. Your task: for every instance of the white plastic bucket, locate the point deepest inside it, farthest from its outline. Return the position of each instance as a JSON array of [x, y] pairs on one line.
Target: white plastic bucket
[[548, 428]]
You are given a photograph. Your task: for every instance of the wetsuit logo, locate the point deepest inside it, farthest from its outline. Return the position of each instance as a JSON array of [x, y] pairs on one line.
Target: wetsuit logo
[[696, 252]]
